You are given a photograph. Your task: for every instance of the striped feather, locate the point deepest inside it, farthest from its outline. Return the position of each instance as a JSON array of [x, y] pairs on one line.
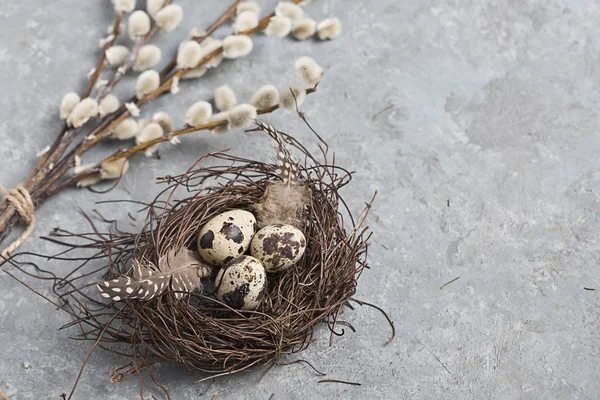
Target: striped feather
[[179, 271], [287, 168]]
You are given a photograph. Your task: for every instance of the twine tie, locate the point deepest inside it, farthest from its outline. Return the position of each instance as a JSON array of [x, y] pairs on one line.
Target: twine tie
[[20, 199]]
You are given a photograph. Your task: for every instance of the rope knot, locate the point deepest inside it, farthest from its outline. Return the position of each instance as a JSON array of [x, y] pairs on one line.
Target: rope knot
[[21, 200]]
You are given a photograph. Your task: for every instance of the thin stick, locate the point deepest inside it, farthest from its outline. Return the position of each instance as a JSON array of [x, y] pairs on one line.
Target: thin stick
[[449, 282], [338, 381]]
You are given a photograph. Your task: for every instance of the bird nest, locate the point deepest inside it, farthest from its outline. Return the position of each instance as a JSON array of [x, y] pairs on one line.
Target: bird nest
[[198, 330]]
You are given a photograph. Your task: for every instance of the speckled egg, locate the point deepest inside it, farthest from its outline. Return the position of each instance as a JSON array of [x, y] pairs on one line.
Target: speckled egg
[[278, 247], [241, 283], [226, 236]]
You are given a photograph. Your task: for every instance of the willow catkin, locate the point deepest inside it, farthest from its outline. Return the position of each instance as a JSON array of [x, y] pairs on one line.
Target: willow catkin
[[109, 104], [83, 112], [236, 46], [116, 55], [125, 130], [148, 57], [265, 97], [291, 95], [169, 17], [308, 71], [289, 10], [139, 24], [278, 27], [189, 54], [68, 103], [329, 28], [147, 83], [304, 28], [241, 116], [225, 98], [198, 113]]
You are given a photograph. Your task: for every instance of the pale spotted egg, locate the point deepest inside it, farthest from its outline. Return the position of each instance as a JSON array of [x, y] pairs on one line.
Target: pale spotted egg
[[278, 247], [241, 283], [226, 236]]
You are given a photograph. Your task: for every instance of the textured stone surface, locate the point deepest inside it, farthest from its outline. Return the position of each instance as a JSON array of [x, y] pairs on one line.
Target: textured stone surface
[[477, 123]]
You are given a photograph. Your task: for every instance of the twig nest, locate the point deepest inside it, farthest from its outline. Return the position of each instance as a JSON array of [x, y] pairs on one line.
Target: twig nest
[[139, 24], [278, 26], [189, 54], [83, 111], [236, 46], [116, 55], [108, 105], [125, 130], [289, 10], [304, 28], [291, 95], [247, 6], [169, 17], [278, 247], [148, 56], [226, 236], [68, 103], [241, 283], [147, 83], [308, 71], [245, 21], [329, 28]]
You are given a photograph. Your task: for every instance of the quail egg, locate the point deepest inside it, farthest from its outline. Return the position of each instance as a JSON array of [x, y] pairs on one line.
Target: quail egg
[[241, 283], [226, 236], [278, 247]]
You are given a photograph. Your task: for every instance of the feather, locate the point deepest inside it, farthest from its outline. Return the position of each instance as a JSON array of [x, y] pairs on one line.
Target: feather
[[287, 168], [180, 271]]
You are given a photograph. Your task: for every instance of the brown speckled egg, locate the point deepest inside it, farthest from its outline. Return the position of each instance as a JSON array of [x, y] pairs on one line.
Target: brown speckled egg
[[278, 247], [226, 236], [241, 283]]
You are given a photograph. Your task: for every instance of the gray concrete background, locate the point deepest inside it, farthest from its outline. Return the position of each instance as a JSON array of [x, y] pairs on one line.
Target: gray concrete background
[[477, 122]]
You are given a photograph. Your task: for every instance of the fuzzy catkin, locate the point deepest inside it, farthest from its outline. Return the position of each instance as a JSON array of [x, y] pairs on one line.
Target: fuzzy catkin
[[195, 72], [209, 45], [164, 120], [189, 54], [248, 6], [117, 55], [329, 28], [290, 95], [265, 97], [109, 104], [150, 132], [278, 26], [241, 116], [114, 169], [308, 70], [148, 56], [68, 103], [139, 24], [225, 98], [133, 109], [147, 83], [289, 10], [123, 6], [245, 21], [304, 28], [236, 46], [198, 114], [169, 17], [125, 130], [154, 6], [223, 116], [82, 112]]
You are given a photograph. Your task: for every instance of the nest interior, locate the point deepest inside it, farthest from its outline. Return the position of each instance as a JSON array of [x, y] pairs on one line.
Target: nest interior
[[198, 331]]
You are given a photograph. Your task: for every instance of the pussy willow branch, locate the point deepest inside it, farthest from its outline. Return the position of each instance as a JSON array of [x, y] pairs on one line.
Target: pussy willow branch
[[125, 153], [54, 165]]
